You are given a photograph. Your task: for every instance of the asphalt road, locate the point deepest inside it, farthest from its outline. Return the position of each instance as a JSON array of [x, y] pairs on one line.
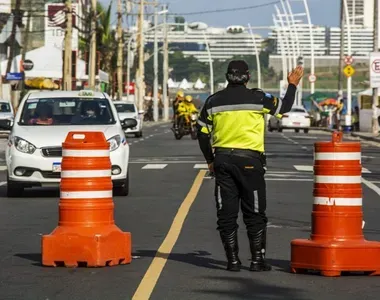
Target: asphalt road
[[167, 184]]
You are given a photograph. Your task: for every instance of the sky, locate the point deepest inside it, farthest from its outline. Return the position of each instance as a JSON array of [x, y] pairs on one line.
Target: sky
[[322, 12]]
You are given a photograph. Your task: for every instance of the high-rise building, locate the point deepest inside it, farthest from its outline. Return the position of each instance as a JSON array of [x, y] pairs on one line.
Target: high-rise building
[[361, 12]]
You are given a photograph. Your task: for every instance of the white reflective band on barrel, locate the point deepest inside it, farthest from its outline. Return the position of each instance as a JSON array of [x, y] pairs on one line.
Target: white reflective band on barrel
[[337, 156], [338, 201], [85, 174], [85, 153], [338, 179], [86, 195]]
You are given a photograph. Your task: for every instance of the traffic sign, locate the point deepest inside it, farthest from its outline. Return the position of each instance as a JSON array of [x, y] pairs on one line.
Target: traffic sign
[[349, 71], [374, 69], [13, 76], [27, 65], [312, 78], [348, 60]]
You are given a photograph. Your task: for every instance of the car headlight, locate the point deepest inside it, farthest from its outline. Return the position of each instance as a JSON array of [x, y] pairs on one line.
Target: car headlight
[[193, 117], [23, 145], [115, 142]]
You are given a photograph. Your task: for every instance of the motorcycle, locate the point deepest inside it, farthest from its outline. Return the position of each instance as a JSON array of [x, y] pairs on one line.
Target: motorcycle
[[186, 127]]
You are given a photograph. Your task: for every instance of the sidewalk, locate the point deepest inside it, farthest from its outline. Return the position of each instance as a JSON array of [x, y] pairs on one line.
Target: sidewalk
[[366, 136]]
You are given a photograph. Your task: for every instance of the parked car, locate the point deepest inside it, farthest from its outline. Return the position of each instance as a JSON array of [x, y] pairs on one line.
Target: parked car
[[297, 119], [42, 122], [6, 114], [127, 110]]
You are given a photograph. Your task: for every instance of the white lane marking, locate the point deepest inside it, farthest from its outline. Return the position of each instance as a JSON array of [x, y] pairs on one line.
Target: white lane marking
[[156, 130], [141, 140], [337, 155], [200, 166], [305, 137], [3, 183], [305, 148], [364, 170], [154, 166], [304, 168], [338, 201], [373, 187], [3, 168], [85, 173], [86, 194], [344, 179]]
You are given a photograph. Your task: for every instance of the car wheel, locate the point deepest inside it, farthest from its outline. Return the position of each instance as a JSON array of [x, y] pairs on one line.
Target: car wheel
[[306, 130], [139, 134], [297, 130], [279, 129], [14, 190], [124, 189]]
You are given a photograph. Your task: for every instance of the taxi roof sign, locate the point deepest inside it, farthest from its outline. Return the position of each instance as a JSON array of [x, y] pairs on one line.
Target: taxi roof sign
[[86, 93]]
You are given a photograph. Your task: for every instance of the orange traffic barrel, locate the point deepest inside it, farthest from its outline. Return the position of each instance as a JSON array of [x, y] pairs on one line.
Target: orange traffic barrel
[[86, 232], [336, 242]]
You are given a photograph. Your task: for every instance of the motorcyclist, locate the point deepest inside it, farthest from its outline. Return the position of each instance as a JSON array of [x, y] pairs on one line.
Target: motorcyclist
[[179, 99], [186, 108], [190, 105]]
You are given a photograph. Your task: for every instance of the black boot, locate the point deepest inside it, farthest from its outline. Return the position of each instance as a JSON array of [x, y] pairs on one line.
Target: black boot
[[257, 243], [231, 247]]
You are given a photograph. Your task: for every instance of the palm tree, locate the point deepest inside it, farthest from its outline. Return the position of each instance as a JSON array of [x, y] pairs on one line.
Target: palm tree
[[105, 37]]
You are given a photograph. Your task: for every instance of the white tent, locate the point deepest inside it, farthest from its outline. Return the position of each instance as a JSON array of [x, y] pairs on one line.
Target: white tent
[[199, 84], [48, 62], [185, 84], [172, 84]]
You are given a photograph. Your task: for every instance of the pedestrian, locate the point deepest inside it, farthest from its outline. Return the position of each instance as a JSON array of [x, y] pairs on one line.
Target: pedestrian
[[234, 117]]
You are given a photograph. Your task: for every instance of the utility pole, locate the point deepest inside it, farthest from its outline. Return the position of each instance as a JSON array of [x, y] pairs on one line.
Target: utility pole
[[67, 63], [140, 71], [155, 66], [92, 63], [25, 47], [166, 68], [375, 125], [16, 15], [119, 51], [340, 70]]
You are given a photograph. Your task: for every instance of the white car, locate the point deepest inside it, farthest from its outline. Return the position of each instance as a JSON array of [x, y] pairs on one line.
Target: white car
[[6, 114], [42, 122], [298, 119], [128, 110]]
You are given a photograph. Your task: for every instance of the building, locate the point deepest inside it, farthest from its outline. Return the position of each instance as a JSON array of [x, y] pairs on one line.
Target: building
[[361, 12], [326, 44], [224, 43]]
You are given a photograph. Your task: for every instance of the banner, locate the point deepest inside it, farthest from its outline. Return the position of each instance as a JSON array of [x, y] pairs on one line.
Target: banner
[[55, 25]]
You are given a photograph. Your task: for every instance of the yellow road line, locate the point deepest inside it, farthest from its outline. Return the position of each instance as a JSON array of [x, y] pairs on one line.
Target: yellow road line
[[151, 276]]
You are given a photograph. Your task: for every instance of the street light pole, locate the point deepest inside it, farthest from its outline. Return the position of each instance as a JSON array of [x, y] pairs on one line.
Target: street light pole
[[155, 66], [210, 63], [349, 79], [288, 54], [312, 67], [165, 74], [257, 57], [297, 43], [281, 46]]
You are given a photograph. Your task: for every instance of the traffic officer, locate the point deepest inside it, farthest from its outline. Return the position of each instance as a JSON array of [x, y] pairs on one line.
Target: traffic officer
[[235, 118]]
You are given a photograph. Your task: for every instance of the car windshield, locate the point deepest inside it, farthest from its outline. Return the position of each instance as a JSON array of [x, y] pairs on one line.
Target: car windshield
[[125, 108], [67, 111], [300, 110], [5, 107]]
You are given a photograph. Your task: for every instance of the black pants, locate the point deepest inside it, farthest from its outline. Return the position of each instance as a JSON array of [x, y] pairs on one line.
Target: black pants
[[240, 180]]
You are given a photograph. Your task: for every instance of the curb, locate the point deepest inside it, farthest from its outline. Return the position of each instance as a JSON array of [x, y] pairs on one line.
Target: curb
[[368, 138]]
